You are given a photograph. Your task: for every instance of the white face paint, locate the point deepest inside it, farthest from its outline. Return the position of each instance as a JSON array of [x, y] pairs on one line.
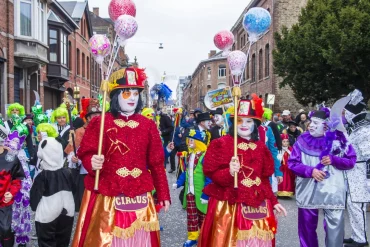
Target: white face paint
[[219, 120], [317, 127], [128, 101], [245, 127], [206, 124]]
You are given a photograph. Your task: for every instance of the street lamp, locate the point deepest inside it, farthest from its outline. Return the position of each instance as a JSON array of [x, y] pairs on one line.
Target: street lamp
[[76, 94]]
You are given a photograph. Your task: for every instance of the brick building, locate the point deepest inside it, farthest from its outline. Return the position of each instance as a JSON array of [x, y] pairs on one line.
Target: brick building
[[259, 75], [210, 74]]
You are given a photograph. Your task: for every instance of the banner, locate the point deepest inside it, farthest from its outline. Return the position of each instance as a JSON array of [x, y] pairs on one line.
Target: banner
[[217, 98]]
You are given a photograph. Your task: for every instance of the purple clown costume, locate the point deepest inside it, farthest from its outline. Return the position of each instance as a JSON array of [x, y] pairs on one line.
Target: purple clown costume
[[330, 193]]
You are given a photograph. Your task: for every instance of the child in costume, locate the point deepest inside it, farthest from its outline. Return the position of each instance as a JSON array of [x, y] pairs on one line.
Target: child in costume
[[232, 218], [60, 120], [12, 174], [51, 196], [195, 202], [287, 187]]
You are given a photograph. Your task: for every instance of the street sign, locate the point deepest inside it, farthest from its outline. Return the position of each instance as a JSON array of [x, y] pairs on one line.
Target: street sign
[[271, 99], [218, 98]]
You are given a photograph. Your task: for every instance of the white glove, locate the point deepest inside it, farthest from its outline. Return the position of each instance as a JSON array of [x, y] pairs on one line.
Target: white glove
[[280, 155], [44, 135], [174, 186], [203, 201]]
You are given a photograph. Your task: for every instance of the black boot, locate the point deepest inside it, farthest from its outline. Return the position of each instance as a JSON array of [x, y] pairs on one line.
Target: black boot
[[8, 242], [356, 244]]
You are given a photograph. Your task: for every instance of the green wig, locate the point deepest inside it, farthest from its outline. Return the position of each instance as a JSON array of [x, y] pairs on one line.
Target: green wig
[[48, 128], [59, 112], [267, 114], [15, 106]]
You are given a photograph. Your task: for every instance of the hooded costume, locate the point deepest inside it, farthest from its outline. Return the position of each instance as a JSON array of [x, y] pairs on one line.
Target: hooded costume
[[358, 195], [52, 196], [329, 194]]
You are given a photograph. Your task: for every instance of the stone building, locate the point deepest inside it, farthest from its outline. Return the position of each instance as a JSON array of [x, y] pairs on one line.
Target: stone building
[[259, 75], [210, 74]]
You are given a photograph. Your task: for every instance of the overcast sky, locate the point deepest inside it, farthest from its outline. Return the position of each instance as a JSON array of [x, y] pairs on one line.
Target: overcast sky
[[185, 27]]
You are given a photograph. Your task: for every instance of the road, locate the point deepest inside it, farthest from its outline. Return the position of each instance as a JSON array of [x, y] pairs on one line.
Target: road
[[175, 233]]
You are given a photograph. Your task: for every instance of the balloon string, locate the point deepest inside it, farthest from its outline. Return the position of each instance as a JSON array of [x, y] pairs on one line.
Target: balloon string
[[111, 67], [115, 43]]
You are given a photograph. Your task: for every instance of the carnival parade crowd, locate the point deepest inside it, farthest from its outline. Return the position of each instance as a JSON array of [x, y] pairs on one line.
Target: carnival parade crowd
[[49, 162]]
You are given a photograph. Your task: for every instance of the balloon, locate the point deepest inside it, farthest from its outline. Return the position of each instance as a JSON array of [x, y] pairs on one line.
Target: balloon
[[237, 61], [224, 40], [125, 27], [117, 8], [256, 22], [100, 47]]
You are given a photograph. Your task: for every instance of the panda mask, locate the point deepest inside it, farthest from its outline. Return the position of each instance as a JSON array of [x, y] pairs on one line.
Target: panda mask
[[50, 152]]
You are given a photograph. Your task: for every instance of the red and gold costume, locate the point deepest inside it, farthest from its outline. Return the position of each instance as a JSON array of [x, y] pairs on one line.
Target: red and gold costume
[[244, 216], [287, 187], [122, 211]]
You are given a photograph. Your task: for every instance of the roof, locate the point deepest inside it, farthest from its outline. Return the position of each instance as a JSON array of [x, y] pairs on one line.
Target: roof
[[240, 19], [216, 57], [75, 9], [55, 18]]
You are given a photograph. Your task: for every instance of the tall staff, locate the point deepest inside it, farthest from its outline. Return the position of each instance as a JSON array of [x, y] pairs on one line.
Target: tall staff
[[68, 101]]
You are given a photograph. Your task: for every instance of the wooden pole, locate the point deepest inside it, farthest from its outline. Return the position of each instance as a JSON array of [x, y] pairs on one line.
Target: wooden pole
[[237, 94], [104, 88]]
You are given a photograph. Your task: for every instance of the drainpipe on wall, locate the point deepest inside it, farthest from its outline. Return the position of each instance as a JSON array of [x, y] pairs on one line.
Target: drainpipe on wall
[[5, 84]]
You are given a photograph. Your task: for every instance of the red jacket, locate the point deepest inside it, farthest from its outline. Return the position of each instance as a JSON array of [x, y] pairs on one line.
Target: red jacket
[[129, 143], [260, 165]]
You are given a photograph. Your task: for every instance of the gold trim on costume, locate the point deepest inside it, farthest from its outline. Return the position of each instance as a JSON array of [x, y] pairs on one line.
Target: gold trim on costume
[[255, 232], [137, 225], [120, 123], [116, 144], [245, 146], [285, 193], [124, 172], [247, 182]]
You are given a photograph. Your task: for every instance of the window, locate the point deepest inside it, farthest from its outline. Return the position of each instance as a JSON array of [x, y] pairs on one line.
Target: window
[[242, 43], [221, 71], [26, 17], [267, 60], [260, 65], [53, 45], [247, 70], [78, 62], [253, 67], [87, 68], [83, 65], [221, 85], [63, 49], [70, 55], [209, 73], [41, 17]]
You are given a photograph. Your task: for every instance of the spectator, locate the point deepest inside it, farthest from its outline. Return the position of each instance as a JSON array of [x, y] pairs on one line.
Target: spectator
[[165, 126], [286, 118], [293, 131]]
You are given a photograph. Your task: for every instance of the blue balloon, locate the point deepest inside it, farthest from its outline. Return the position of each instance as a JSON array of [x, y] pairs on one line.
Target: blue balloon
[[256, 22]]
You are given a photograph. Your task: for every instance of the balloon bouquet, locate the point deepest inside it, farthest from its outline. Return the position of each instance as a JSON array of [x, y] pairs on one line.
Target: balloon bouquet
[[122, 13], [256, 22]]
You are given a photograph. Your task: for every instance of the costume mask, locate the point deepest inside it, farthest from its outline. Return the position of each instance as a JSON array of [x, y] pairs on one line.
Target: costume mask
[[317, 127], [128, 101], [219, 120], [245, 127]]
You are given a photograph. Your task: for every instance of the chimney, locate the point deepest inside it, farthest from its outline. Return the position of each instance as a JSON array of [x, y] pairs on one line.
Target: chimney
[[211, 53], [96, 11]]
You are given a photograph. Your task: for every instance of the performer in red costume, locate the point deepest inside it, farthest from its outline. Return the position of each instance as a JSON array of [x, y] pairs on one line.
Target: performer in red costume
[[122, 212], [287, 187], [244, 216]]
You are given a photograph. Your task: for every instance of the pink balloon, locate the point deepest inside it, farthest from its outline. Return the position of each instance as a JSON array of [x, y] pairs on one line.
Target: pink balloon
[[224, 40], [121, 7], [100, 47], [125, 27], [237, 61]]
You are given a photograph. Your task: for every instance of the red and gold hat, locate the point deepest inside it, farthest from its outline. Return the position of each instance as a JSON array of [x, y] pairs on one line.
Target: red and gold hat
[[89, 106], [127, 78], [250, 108], [284, 137]]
